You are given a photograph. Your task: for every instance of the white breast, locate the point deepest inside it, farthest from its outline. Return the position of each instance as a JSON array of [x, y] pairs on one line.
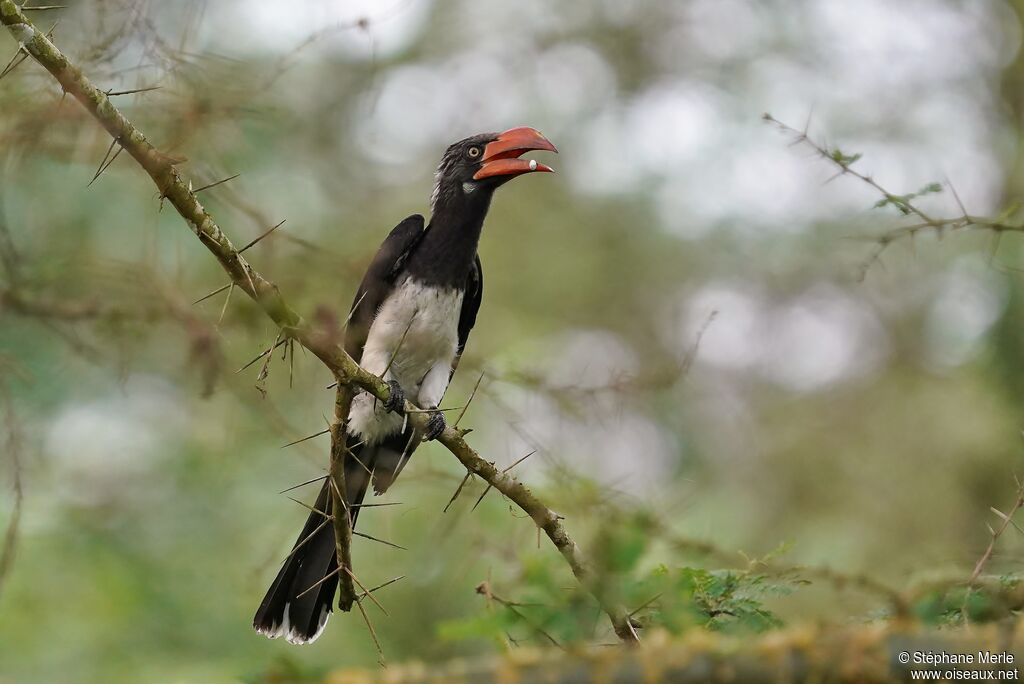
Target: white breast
[[421, 323]]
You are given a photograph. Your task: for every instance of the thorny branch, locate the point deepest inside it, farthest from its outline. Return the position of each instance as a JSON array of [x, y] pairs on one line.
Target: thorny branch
[[904, 203], [484, 589], [341, 519], [1007, 519], [175, 190]]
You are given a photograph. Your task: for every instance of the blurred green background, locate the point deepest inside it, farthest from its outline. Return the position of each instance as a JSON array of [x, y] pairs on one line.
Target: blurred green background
[[868, 423]]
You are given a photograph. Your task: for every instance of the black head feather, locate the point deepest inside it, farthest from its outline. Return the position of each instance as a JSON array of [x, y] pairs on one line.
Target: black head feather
[[454, 176]]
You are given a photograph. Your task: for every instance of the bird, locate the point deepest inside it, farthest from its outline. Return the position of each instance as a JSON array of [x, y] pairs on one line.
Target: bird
[[409, 323]]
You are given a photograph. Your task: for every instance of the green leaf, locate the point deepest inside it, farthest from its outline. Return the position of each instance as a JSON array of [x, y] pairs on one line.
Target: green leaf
[[845, 159]]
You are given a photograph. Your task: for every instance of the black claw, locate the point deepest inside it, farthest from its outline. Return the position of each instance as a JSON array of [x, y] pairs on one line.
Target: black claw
[[435, 426], [396, 400]]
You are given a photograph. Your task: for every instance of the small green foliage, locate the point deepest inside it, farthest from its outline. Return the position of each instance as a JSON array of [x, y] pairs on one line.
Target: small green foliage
[[839, 157], [543, 603], [720, 600], [992, 599], [903, 202]]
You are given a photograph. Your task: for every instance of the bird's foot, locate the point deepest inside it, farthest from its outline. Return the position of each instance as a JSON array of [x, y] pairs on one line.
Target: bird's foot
[[396, 399], [435, 426]]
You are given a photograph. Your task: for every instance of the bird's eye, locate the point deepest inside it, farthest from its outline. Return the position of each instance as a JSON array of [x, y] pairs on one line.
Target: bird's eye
[[474, 152]]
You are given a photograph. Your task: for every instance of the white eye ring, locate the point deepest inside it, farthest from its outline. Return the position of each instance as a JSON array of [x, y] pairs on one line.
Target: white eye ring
[[474, 152]]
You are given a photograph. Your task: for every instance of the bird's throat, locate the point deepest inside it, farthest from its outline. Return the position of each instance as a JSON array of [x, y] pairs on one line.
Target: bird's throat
[[448, 249]]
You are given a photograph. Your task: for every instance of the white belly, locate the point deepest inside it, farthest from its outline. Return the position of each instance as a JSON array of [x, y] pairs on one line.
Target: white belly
[[421, 323]]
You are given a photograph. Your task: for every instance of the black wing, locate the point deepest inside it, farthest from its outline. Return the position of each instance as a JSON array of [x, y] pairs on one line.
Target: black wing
[[470, 306], [379, 280]]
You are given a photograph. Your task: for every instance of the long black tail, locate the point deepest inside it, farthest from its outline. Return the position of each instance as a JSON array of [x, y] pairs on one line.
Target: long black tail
[[300, 600]]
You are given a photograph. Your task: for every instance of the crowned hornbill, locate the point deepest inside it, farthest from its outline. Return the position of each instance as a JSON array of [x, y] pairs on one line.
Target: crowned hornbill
[[409, 323]]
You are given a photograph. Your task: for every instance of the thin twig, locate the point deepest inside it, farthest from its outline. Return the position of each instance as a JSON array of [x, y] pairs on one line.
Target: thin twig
[[369, 591], [215, 184], [299, 441], [904, 203], [381, 541], [373, 632], [114, 93], [484, 589], [19, 57], [398, 348], [339, 500], [303, 484], [458, 490], [103, 162], [211, 294], [227, 300], [368, 594], [312, 509], [488, 488], [306, 539], [261, 355], [352, 313], [11, 66], [291, 362], [264, 373], [645, 604], [261, 236], [320, 581], [435, 410], [1007, 520], [470, 400]]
